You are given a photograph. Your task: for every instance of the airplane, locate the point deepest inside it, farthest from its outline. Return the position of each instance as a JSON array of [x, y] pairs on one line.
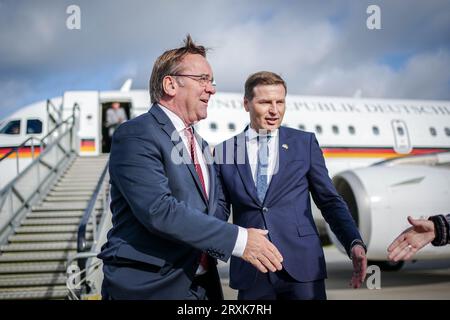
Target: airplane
[[387, 158]]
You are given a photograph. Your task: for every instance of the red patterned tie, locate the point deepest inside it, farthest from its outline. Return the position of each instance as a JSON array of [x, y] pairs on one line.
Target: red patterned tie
[[198, 168], [194, 158]]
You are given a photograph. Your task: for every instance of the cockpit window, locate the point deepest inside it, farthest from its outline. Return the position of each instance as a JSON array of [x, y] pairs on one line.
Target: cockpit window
[[34, 126], [12, 127]]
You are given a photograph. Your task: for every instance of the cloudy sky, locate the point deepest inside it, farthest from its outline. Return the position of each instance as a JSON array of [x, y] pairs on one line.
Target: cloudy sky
[[319, 47]]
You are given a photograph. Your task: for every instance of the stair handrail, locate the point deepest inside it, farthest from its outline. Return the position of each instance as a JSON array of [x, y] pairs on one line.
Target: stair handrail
[[25, 202], [88, 215], [51, 109], [46, 150]]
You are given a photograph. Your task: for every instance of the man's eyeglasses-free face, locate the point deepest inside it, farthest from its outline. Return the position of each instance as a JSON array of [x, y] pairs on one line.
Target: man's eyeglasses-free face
[[203, 79]]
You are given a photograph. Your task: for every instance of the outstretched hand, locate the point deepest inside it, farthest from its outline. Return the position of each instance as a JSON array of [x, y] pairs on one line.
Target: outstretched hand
[[260, 252], [412, 239]]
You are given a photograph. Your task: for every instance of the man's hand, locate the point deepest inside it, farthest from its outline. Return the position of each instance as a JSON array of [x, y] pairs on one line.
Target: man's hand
[[359, 260], [412, 239], [260, 252]]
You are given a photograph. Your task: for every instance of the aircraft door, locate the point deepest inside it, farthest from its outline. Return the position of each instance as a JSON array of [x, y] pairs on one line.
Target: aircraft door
[[89, 131], [402, 141], [111, 117]]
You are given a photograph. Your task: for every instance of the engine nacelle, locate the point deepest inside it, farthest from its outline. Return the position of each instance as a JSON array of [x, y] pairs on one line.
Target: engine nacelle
[[381, 197]]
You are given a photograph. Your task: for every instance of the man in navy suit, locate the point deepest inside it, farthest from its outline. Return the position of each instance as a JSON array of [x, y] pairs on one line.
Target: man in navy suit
[[165, 238], [267, 174]]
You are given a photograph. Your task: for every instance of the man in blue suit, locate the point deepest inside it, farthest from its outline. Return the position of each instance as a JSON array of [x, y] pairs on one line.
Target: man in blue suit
[[165, 238], [267, 174]]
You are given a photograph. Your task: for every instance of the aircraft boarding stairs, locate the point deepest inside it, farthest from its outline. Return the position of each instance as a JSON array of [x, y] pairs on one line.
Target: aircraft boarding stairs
[[33, 263], [54, 216]]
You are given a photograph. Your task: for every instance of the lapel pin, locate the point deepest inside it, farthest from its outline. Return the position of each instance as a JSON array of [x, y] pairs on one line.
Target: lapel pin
[[285, 146]]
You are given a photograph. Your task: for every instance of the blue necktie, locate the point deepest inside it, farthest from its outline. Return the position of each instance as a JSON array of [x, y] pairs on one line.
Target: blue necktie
[[262, 166]]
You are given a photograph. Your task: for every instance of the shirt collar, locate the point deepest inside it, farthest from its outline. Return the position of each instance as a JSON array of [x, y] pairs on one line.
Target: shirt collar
[[177, 122], [252, 134]]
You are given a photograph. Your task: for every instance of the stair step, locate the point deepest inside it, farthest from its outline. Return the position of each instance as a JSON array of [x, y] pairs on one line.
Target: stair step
[[81, 178], [73, 189], [66, 198], [37, 256], [70, 206], [99, 162], [89, 177], [32, 280], [29, 267], [84, 169], [83, 173], [21, 247], [19, 238], [73, 193], [56, 292], [51, 229], [72, 183], [83, 162], [56, 214], [33, 262], [49, 221]]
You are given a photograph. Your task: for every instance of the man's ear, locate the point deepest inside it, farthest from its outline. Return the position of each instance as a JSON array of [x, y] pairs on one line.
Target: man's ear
[[169, 86], [246, 102]]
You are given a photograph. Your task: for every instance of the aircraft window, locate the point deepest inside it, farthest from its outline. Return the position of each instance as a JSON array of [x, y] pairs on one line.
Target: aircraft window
[[335, 129], [34, 126], [12, 127], [319, 129], [433, 131], [231, 126], [375, 130], [400, 131], [213, 126], [447, 131], [351, 129], [301, 126]]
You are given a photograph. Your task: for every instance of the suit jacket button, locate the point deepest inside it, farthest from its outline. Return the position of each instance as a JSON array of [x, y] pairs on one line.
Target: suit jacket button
[[265, 210]]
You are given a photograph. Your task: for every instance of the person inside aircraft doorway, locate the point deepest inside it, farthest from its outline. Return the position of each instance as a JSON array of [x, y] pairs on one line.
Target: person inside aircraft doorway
[[115, 116]]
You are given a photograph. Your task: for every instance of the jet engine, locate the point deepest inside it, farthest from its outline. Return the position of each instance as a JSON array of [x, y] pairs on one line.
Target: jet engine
[[381, 197]]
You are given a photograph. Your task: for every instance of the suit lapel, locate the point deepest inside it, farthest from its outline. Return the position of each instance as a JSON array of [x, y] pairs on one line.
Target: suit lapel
[[243, 165], [184, 156], [212, 174]]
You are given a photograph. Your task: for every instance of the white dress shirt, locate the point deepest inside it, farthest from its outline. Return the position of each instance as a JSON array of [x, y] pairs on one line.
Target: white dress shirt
[[252, 153], [179, 125]]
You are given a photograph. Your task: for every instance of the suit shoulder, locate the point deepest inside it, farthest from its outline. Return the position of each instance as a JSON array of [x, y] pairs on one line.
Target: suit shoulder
[[225, 142], [298, 134], [140, 125]]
